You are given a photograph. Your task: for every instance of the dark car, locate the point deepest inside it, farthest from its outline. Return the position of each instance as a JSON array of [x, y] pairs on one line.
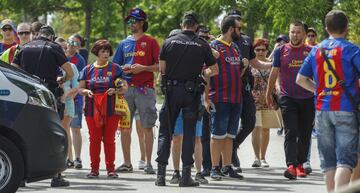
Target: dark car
[[33, 143]]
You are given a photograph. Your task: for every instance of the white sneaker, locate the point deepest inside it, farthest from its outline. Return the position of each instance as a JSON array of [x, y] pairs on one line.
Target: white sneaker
[[264, 164], [142, 164]]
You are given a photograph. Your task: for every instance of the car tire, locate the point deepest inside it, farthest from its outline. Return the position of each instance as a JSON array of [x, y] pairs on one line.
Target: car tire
[[11, 166]]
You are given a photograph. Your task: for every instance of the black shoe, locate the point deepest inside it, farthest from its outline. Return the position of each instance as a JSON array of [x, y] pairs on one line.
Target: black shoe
[[228, 170], [161, 173], [215, 174], [175, 177], [238, 169], [22, 184], [186, 180], [201, 179], [59, 182], [205, 172]]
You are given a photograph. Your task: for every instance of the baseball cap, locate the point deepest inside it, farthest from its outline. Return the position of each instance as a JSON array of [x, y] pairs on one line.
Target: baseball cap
[[235, 13], [136, 13], [191, 15], [6, 22], [46, 29], [282, 37], [311, 29]]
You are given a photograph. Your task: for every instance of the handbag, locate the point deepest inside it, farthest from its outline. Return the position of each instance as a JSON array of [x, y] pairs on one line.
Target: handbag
[[270, 119]]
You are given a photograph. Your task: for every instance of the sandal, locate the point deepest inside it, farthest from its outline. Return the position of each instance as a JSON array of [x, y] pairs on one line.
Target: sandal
[[69, 164]]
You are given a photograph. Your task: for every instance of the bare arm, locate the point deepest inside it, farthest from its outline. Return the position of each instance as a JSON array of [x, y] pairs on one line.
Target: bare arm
[[271, 85], [137, 68], [68, 70], [246, 65], [15, 65], [306, 83], [162, 64], [83, 91], [211, 71], [207, 101]]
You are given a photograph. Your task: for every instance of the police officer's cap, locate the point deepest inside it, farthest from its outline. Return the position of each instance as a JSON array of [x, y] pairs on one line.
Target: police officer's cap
[[191, 15], [47, 30], [235, 13]]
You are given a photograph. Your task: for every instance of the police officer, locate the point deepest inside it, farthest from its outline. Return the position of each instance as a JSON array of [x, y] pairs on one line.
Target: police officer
[[42, 57], [181, 61]]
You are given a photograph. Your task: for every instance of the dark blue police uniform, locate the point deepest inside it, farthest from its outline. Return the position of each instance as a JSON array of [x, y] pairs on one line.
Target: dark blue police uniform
[[185, 55]]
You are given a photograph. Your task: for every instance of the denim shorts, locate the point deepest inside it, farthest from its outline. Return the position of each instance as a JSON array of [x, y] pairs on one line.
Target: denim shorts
[[179, 126], [225, 120], [338, 136], [77, 119]]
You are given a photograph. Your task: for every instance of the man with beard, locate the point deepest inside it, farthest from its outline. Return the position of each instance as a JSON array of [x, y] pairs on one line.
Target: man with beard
[[226, 97], [138, 54], [296, 103], [248, 107]]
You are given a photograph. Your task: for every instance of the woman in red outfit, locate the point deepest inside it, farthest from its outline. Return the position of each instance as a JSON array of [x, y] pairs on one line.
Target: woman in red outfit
[[96, 83]]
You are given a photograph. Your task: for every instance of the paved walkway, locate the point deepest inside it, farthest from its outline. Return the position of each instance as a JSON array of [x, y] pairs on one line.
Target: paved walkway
[[259, 180]]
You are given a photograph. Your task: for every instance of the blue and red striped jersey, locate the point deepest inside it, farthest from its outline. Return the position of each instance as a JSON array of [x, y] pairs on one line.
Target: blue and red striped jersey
[[226, 86], [345, 59], [99, 79], [144, 51], [289, 59], [79, 62]]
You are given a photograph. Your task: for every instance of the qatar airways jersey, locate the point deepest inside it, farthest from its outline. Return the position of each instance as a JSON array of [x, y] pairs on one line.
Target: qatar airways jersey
[[99, 79], [345, 59], [144, 51], [289, 59], [226, 86]]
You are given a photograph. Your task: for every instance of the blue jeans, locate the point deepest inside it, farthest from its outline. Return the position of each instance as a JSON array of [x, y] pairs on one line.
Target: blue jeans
[[338, 136], [225, 121]]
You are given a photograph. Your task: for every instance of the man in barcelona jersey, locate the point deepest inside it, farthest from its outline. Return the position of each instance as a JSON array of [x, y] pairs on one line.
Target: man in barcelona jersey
[[335, 117], [296, 103], [138, 55]]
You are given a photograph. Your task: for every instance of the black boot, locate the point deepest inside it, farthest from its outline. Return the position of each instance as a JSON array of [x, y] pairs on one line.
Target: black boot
[[161, 173], [186, 180]]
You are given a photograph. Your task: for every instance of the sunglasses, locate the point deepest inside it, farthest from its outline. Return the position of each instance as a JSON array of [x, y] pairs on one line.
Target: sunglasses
[[205, 37], [73, 43], [131, 21], [7, 29], [311, 35], [260, 50], [24, 33]]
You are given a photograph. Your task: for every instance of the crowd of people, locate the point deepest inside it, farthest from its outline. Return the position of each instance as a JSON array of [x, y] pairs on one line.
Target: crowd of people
[[217, 91]]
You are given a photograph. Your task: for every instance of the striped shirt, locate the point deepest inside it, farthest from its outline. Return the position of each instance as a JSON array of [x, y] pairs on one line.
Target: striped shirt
[[99, 79], [289, 60], [226, 86], [345, 58]]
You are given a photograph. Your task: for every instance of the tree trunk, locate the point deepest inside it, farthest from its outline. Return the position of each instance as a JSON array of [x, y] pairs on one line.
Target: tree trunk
[[88, 14], [124, 14]]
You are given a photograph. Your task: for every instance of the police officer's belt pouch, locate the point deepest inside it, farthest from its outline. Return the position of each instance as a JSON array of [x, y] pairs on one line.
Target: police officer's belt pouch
[[190, 86]]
